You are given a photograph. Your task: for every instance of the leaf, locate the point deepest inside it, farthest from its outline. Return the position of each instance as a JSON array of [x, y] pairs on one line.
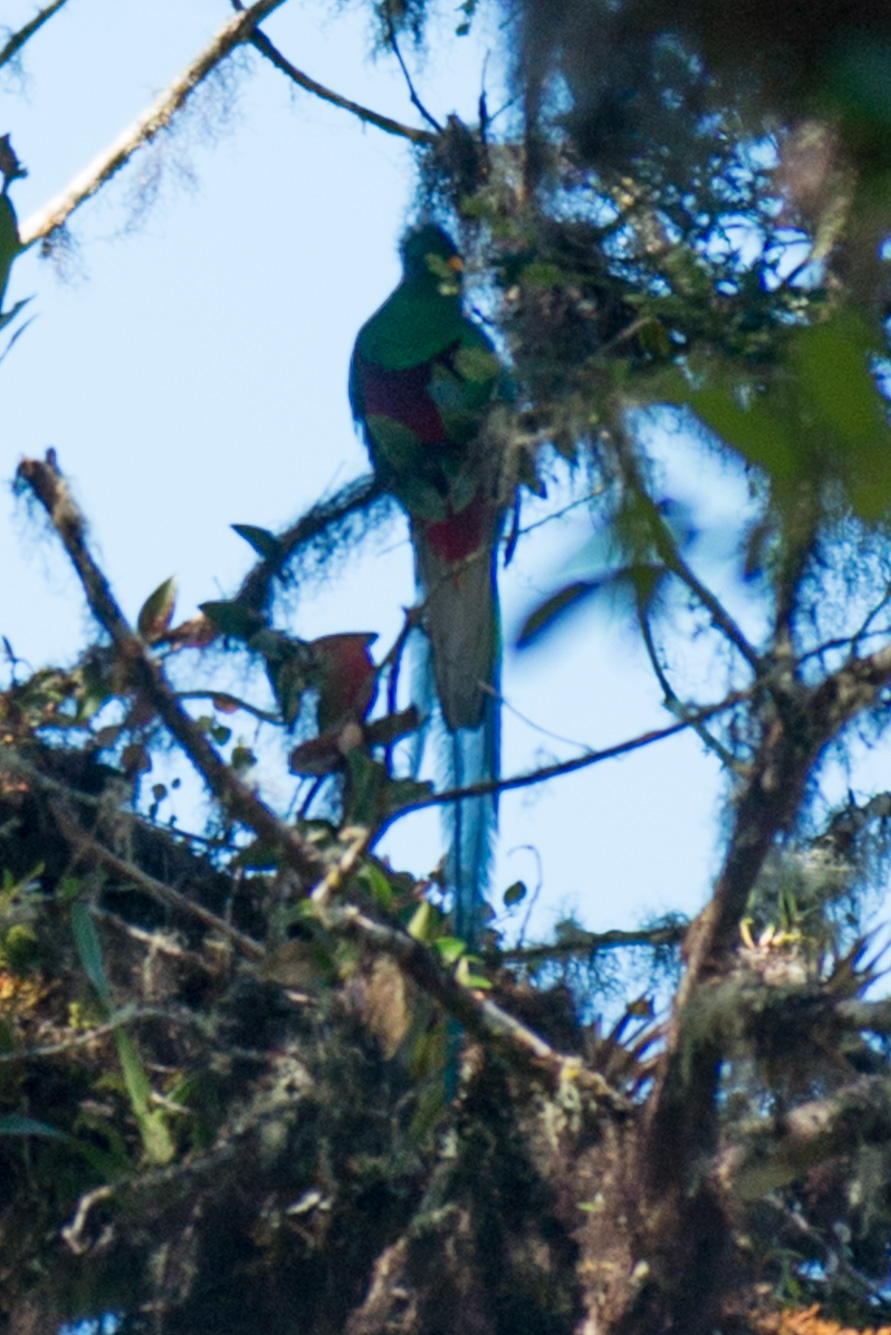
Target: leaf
[[548, 612], [514, 894], [449, 948], [11, 1124], [421, 921], [377, 885], [755, 431], [233, 618], [156, 612], [264, 543], [156, 1139], [467, 978], [10, 244], [86, 938]]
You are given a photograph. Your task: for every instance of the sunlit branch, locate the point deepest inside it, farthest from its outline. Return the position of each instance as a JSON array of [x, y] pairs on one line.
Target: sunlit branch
[[17, 40], [146, 126], [479, 1016], [262, 44]]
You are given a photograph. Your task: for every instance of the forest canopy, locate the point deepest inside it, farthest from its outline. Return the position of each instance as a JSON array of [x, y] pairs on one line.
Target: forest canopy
[[255, 1072]]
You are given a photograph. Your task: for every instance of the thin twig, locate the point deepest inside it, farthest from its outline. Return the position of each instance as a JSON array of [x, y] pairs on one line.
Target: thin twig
[[233, 702], [86, 848], [262, 44], [18, 39], [674, 703], [569, 766], [148, 677], [146, 126], [126, 1015], [416, 101]]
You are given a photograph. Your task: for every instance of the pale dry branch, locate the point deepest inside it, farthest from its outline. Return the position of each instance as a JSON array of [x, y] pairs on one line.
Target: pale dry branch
[[146, 126]]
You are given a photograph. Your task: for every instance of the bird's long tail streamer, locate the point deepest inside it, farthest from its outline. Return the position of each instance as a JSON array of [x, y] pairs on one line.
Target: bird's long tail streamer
[[471, 821]]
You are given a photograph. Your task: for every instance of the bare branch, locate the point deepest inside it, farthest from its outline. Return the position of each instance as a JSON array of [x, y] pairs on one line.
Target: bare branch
[[588, 943], [416, 101], [355, 496], [234, 33], [262, 44], [87, 849], [570, 766], [18, 39]]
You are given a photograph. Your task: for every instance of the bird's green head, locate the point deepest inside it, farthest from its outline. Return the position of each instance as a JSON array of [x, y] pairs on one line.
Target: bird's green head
[[429, 252]]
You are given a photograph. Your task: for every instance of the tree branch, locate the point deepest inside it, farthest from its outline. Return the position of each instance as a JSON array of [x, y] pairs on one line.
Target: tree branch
[[88, 849], [682, 1113], [778, 1153], [148, 678], [18, 39], [354, 497], [481, 1017], [581, 942], [262, 44], [237, 31], [567, 766]]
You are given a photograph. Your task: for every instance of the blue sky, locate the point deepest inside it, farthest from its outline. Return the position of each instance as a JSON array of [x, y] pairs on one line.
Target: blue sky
[[188, 361]]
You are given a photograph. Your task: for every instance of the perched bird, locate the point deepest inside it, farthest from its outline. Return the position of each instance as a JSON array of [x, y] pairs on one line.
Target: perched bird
[[422, 381]]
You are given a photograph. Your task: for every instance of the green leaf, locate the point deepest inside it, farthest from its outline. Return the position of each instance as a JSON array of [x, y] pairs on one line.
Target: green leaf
[[553, 608], [10, 244], [377, 885], [264, 543], [477, 364], [156, 1139], [13, 1125], [449, 948], [233, 618], [86, 939], [467, 978], [756, 432], [421, 921], [156, 612], [541, 274], [514, 894]]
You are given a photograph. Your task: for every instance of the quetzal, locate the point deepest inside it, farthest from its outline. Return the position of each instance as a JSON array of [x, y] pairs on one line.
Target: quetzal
[[422, 381]]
